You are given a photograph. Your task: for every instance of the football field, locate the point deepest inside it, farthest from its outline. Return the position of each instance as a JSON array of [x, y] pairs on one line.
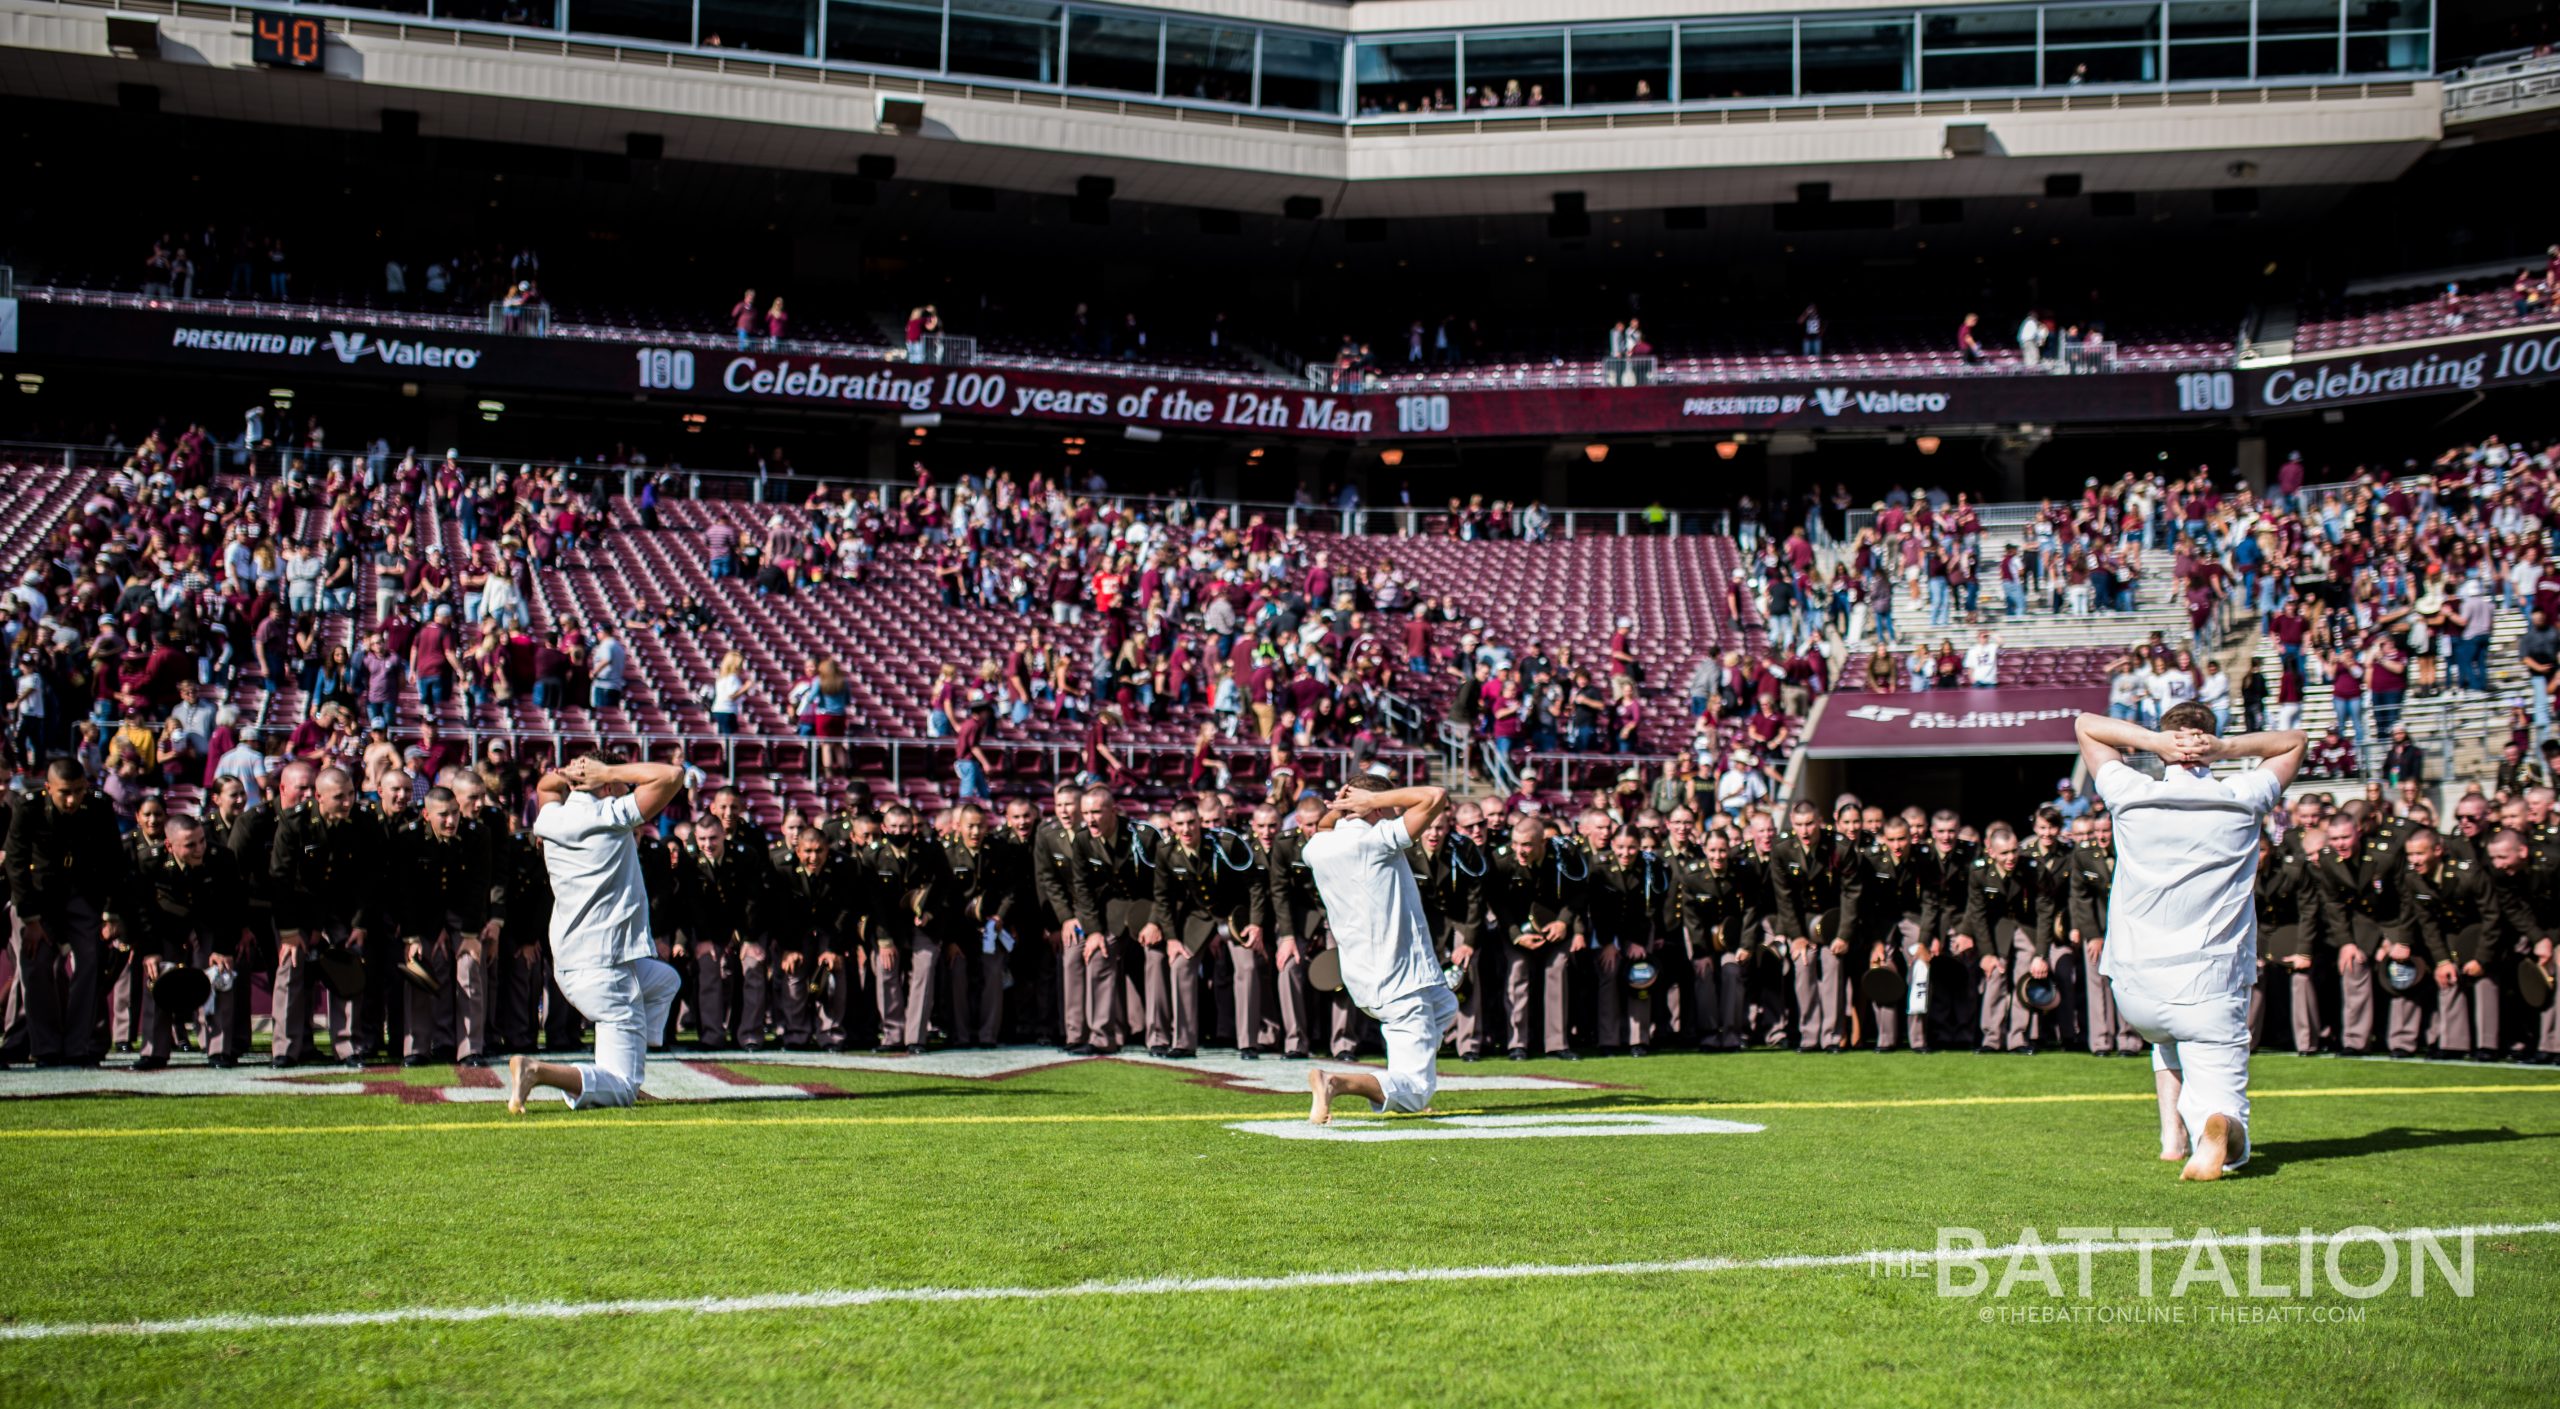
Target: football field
[[1017, 1228]]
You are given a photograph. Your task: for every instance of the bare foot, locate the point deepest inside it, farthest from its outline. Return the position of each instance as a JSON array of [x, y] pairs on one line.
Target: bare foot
[[1320, 1083], [519, 1084], [2213, 1150], [2173, 1156]]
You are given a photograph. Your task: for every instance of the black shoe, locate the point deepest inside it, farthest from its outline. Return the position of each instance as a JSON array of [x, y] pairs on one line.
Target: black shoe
[[279, 1062], [1639, 1050], [352, 1062], [916, 1051], [1293, 1056], [803, 1045], [839, 1048], [1182, 1053], [1470, 1056], [1567, 1055], [1247, 1054], [152, 1061], [1079, 1049], [222, 1063], [424, 1061], [483, 1063], [1519, 1054], [758, 1047]]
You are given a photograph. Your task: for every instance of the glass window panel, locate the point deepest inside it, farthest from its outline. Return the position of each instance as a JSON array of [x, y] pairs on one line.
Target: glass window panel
[[1745, 61], [2387, 53], [664, 21], [1112, 51], [2009, 28], [1858, 57], [2386, 14], [1016, 39], [1941, 73], [2190, 62], [2297, 17], [1210, 62], [539, 14], [2208, 19], [2121, 63], [1408, 76], [2297, 58], [402, 7], [1300, 74], [1622, 66], [2100, 24], [906, 34], [1515, 71], [764, 26]]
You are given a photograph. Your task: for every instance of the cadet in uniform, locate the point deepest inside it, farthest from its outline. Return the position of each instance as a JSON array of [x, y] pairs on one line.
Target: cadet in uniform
[[1306, 1016], [2001, 929], [1817, 874], [329, 873], [252, 840], [723, 896], [983, 914], [2093, 879], [446, 906], [1886, 928], [1210, 892], [1718, 910], [2289, 910], [190, 902], [814, 912], [1537, 900], [1629, 898], [2462, 923], [1058, 878], [910, 877]]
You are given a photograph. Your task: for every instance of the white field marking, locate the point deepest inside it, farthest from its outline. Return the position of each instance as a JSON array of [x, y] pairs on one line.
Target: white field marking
[[1495, 1127], [687, 1075], [237, 1322]]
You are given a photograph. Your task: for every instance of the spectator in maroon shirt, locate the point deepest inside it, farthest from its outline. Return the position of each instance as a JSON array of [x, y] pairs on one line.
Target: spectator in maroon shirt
[[969, 757]]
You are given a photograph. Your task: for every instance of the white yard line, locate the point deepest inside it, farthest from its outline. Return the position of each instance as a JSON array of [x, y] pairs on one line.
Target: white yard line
[[1902, 1261]]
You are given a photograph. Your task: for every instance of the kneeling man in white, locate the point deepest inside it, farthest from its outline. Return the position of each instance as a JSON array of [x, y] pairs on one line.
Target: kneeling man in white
[[2182, 923], [1357, 856], [601, 952]]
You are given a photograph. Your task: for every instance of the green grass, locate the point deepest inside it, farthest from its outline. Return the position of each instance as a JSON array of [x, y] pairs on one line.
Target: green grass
[[925, 1182]]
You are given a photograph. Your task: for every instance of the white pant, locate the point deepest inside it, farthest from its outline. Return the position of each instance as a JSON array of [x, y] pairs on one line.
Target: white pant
[[1413, 1027], [628, 1003], [2207, 1044]]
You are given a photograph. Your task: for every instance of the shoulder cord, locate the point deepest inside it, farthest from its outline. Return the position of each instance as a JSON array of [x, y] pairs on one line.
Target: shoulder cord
[[1459, 848], [1218, 839], [1563, 850]]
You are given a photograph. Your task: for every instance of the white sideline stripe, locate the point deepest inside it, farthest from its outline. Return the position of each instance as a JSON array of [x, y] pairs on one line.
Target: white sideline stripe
[[1169, 1286]]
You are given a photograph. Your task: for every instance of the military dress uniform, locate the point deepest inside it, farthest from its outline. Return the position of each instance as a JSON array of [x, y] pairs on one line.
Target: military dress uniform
[[662, 878], [561, 1025], [1629, 907], [1208, 897], [192, 914], [909, 882], [984, 917], [1885, 928], [724, 904], [67, 876], [2065, 959], [2364, 907], [1307, 1019], [2093, 881], [2004, 919], [817, 914], [1526, 897], [1449, 877], [443, 909], [1056, 879], [128, 1025], [1954, 1019], [2289, 915], [1817, 887], [2465, 921], [1716, 924], [330, 890]]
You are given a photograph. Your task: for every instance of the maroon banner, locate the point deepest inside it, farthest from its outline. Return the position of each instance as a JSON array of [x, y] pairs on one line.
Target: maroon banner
[[386, 352], [1937, 722]]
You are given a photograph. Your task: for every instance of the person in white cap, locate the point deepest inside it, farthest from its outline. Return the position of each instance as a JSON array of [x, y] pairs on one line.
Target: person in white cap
[[2182, 920], [602, 952], [1390, 969]]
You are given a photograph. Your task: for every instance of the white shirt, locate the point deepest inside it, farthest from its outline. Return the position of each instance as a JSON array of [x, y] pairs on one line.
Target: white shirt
[[1982, 663], [1375, 911], [2182, 920], [599, 904]]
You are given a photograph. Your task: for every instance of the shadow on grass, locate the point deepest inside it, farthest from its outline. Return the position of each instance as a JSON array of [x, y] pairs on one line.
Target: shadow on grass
[[2267, 1159]]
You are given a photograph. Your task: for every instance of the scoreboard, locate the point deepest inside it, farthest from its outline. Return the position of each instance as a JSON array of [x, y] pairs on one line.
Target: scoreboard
[[279, 40]]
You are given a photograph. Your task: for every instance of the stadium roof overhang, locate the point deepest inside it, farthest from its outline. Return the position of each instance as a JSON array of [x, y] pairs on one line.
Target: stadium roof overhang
[[753, 113]]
